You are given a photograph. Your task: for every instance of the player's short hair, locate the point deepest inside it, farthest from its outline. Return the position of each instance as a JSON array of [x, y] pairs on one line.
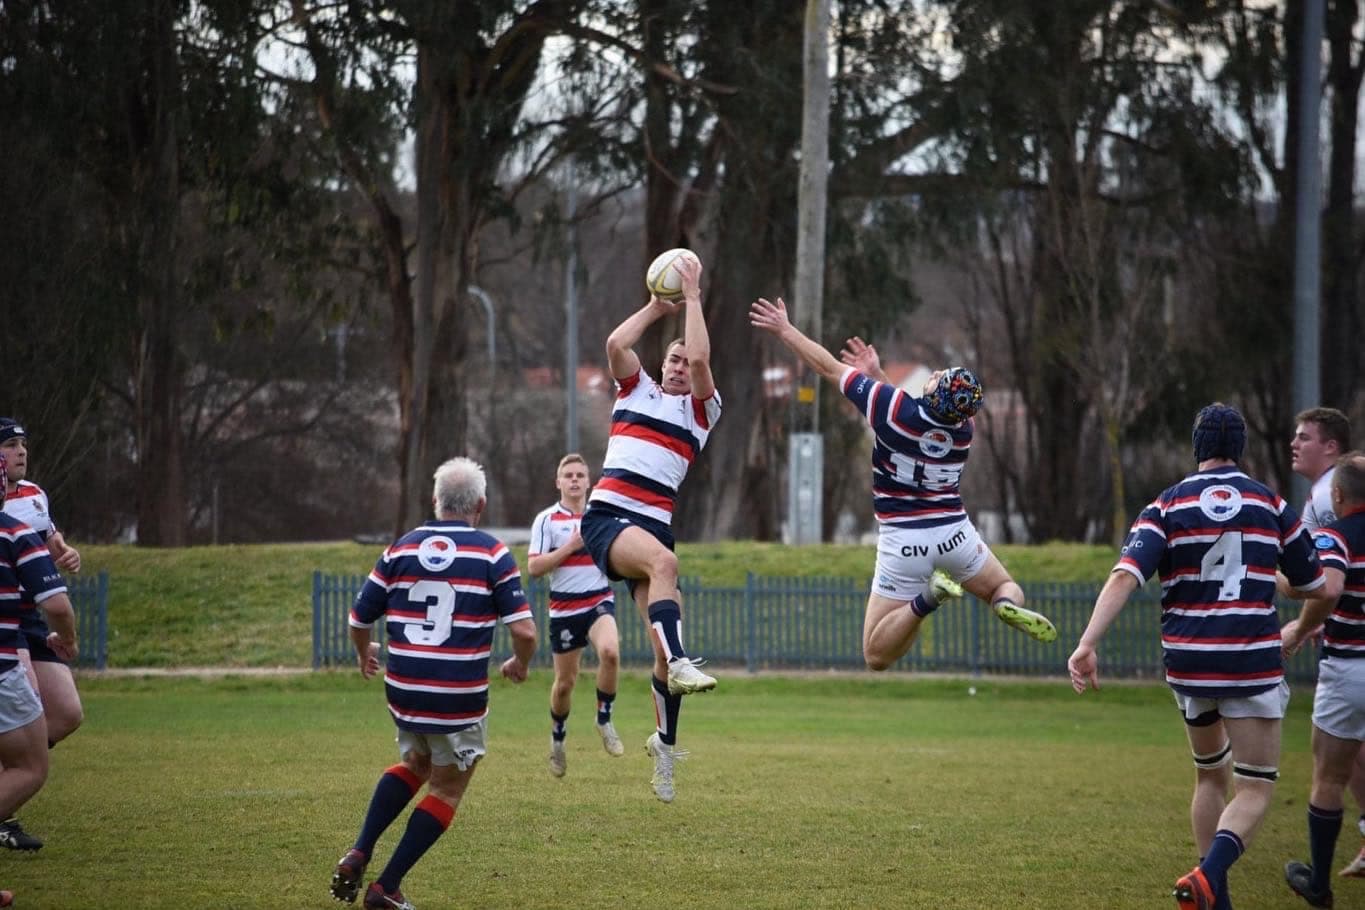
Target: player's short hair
[[571, 458], [1332, 424], [678, 341], [460, 485], [10, 428], [1219, 432], [957, 395], [1349, 476]]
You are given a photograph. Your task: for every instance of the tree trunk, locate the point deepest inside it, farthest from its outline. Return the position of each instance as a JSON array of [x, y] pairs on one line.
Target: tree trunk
[[1340, 305], [161, 501]]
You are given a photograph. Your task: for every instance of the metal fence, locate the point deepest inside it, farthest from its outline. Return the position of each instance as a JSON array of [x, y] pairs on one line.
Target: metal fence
[[817, 624], [90, 599]]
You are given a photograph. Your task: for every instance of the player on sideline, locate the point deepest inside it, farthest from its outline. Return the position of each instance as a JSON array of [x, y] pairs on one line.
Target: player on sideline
[[26, 501], [1339, 700], [443, 587], [581, 609], [657, 429], [920, 449], [25, 564], [1215, 538], [1321, 436]]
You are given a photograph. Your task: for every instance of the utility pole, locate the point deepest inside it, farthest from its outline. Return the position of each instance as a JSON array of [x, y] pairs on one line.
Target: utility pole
[[571, 322], [805, 467], [1308, 226]]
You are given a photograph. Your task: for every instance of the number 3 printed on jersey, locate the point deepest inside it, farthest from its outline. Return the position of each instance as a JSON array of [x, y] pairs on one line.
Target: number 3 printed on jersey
[[439, 598], [1223, 563]]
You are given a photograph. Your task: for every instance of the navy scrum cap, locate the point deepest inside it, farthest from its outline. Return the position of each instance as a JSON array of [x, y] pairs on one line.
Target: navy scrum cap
[[10, 428], [1219, 432]]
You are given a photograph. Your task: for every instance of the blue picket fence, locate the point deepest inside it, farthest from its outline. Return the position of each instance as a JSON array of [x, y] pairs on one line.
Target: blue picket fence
[[817, 623], [90, 600]]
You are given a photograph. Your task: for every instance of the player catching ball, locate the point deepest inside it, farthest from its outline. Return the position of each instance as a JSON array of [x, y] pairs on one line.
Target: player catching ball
[[657, 431]]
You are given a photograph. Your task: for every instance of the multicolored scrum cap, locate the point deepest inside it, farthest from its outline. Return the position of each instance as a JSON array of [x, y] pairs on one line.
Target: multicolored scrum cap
[[4, 479], [1219, 432], [10, 428], [957, 396]]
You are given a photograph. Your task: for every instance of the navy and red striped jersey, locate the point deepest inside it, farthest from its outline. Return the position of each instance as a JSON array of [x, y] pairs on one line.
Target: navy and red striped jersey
[[27, 578], [654, 439], [917, 461], [1216, 539], [576, 585], [1341, 545], [442, 587]]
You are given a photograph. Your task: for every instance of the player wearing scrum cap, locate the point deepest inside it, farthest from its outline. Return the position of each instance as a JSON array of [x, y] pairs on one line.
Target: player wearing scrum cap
[[1216, 539], [928, 550]]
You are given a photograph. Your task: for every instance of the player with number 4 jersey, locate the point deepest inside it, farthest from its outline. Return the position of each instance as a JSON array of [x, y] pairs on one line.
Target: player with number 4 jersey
[[1215, 539]]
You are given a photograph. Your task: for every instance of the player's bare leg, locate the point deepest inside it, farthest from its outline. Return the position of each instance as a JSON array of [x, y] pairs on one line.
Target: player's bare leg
[[61, 701], [606, 644], [635, 553], [995, 586], [1212, 780], [1333, 760], [890, 627], [561, 700]]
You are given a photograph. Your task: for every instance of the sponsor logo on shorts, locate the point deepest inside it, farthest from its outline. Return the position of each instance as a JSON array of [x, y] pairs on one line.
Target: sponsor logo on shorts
[[948, 545]]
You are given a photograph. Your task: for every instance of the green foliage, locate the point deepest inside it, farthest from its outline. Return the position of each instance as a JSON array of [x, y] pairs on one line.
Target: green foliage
[[800, 793]]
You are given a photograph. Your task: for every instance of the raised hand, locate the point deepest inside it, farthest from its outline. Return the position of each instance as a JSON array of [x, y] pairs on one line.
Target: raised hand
[[770, 316], [861, 356]]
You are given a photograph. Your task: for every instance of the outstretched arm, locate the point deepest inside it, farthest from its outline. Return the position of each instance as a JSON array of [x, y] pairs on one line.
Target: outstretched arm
[[696, 338], [772, 317], [621, 356]]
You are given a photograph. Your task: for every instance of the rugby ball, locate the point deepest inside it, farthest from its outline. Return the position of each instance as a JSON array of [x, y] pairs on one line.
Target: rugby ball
[[662, 278]]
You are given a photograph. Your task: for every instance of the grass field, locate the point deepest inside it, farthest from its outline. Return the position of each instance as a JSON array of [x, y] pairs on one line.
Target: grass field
[[249, 606], [802, 792]]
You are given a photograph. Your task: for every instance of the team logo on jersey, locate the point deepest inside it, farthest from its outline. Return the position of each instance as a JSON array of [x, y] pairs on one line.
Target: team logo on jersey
[[436, 553], [936, 443], [1322, 542], [1220, 502]]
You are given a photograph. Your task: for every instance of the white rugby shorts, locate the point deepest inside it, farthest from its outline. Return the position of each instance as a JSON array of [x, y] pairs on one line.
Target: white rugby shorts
[[1339, 702], [19, 704], [906, 557], [1271, 704], [461, 748]]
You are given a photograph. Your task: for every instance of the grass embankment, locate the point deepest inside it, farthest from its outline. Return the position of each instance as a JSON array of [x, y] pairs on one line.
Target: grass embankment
[[250, 606]]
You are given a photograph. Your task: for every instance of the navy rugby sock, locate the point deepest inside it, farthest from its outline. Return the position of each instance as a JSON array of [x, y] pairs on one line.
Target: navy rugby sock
[[604, 703], [395, 788], [923, 604], [559, 726], [665, 616], [1324, 826], [666, 710], [425, 826], [1225, 850]]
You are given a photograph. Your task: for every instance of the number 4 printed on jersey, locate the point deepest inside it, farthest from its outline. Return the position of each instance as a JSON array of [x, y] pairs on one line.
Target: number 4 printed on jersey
[[1223, 563]]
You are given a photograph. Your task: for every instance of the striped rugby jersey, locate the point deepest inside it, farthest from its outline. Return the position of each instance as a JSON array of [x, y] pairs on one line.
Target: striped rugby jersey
[[29, 504], [27, 578], [1215, 539], [917, 461], [576, 585], [654, 439], [1341, 545], [443, 587]]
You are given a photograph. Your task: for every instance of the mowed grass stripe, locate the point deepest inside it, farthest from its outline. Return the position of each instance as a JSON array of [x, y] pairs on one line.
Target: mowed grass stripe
[[801, 793]]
